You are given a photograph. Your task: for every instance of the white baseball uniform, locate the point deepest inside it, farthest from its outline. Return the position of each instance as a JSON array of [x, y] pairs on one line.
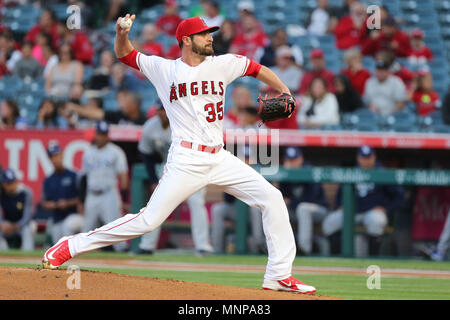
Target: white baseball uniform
[[103, 203], [194, 97], [155, 138]]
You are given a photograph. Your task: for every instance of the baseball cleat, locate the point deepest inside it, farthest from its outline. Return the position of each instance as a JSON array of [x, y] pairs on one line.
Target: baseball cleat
[[289, 284], [57, 255]]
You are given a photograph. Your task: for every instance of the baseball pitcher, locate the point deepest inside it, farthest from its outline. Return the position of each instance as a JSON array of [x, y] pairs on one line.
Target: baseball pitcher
[[154, 146], [192, 91]]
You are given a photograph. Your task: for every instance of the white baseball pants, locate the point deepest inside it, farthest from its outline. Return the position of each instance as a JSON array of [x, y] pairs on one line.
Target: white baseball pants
[[199, 225], [188, 171]]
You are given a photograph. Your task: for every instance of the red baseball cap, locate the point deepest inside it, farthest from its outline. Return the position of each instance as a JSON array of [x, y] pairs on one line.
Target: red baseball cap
[[417, 33], [316, 53], [192, 26]]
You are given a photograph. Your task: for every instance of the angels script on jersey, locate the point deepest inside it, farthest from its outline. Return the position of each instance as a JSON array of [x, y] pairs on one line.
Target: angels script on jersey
[[196, 88]]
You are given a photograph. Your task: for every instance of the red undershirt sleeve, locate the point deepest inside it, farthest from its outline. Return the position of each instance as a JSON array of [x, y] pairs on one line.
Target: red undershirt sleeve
[[130, 59], [253, 69]]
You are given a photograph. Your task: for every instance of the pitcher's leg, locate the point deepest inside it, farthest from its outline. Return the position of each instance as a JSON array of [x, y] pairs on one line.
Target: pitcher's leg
[[199, 221], [243, 182], [174, 187], [149, 241]]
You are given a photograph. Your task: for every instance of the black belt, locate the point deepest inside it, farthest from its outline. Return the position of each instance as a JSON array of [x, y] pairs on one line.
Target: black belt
[[98, 192]]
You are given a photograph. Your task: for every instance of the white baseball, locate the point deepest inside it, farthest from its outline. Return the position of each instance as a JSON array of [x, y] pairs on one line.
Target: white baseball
[[125, 23]]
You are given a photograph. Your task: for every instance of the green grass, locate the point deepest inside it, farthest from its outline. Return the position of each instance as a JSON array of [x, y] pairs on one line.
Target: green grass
[[343, 286], [261, 260]]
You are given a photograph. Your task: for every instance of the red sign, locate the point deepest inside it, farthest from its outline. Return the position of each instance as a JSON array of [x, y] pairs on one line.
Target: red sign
[[25, 151], [430, 210]]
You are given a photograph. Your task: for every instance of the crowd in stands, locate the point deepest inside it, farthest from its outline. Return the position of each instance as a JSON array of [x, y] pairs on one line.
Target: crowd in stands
[[75, 70]]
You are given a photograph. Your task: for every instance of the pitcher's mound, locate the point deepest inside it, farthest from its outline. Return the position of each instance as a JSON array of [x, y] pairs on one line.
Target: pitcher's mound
[[27, 283]]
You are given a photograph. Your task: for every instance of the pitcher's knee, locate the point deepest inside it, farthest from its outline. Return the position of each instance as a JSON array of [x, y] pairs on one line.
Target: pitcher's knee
[[273, 197]]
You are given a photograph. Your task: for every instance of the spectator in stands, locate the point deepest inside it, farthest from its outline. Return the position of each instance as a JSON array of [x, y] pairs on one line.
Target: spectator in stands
[[425, 97], [10, 115], [285, 69], [355, 71], [406, 75], [169, 21], [248, 41], [129, 113], [212, 15], [348, 29], [149, 45], [60, 197], [319, 107], [100, 79], [64, 75], [93, 103], [390, 38], [319, 19], [241, 98], [49, 117], [365, 31], [48, 24], [114, 9], [385, 93], [223, 38], [374, 202], [266, 56], [121, 79], [246, 8], [420, 54], [305, 201], [42, 39], [347, 97], [51, 59], [345, 10], [16, 202], [317, 69], [174, 52], [27, 67], [248, 118], [79, 42], [9, 53]]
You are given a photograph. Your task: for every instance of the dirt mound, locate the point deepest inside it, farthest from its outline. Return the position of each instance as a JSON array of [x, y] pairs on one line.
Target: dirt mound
[[27, 283]]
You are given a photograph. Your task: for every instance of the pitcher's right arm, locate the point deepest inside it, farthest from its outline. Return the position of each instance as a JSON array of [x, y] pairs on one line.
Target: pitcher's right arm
[[122, 44]]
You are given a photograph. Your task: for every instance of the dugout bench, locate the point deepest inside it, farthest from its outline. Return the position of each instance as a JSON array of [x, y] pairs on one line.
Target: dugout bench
[[345, 176]]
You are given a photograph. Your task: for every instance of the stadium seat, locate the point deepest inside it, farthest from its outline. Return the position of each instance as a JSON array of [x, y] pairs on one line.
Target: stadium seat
[[401, 121]]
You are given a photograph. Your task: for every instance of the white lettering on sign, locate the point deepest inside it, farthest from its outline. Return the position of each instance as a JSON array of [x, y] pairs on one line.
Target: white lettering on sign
[[14, 146], [37, 155]]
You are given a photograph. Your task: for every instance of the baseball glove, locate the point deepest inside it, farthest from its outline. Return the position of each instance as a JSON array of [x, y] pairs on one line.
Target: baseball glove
[[280, 107]]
